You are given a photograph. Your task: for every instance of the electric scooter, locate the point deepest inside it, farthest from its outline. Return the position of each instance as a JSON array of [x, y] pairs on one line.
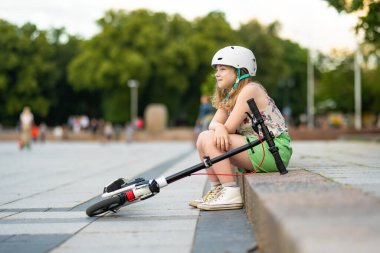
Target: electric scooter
[[140, 189]]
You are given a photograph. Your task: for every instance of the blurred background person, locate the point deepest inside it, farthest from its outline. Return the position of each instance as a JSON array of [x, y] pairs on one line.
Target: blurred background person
[[205, 115], [35, 132], [58, 133], [26, 122], [43, 130], [139, 123], [129, 131], [108, 131]]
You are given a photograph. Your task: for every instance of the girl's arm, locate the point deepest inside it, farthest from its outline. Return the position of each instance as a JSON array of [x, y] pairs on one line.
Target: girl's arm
[[219, 118], [221, 139], [238, 114], [223, 125]]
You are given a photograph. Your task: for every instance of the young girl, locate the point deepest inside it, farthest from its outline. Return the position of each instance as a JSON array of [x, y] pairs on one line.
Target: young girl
[[231, 128]]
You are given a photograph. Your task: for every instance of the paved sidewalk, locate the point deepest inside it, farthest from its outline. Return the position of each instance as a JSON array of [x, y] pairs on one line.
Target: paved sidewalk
[[46, 190], [43, 191], [352, 163], [328, 202]]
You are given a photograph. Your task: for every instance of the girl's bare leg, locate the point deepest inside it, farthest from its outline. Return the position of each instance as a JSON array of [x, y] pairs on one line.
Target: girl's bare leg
[[210, 171], [206, 146]]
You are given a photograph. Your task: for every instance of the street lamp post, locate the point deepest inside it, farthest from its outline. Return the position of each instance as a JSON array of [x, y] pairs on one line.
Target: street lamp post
[[133, 84], [310, 91], [358, 91]]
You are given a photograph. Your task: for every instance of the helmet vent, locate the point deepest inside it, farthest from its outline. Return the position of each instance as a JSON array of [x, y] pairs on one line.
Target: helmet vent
[[220, 58]]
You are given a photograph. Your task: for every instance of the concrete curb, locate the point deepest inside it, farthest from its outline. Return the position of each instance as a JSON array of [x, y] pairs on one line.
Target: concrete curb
[[302, 212]]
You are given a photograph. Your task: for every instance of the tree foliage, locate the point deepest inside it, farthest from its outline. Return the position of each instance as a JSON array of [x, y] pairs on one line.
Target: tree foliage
[[166, 54], [368, 18], [33, 72], [27, 75], [336, 83], [59, 75]]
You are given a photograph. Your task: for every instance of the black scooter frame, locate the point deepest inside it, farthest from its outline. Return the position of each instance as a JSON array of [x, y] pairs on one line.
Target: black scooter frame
[[141, 189]]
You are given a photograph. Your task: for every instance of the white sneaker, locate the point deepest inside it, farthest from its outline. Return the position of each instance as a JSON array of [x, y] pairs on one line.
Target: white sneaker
[[211, 194], [228, 198]]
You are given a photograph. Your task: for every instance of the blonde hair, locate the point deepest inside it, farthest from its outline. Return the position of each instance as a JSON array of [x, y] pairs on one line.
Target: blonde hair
[[219, 100]]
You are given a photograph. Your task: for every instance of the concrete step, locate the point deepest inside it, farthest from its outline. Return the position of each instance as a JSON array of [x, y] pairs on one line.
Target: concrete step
[[303, 212]]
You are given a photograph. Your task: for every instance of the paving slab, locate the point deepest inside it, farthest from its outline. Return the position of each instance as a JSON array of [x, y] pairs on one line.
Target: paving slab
[[43, 188], [352, 163], [169, 222], [45, 192]]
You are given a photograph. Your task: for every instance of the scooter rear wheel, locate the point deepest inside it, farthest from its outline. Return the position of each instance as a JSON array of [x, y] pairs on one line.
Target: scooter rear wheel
[[104, 206]]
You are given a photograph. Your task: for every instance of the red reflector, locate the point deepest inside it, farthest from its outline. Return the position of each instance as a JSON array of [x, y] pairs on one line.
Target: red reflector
[[130, 195]]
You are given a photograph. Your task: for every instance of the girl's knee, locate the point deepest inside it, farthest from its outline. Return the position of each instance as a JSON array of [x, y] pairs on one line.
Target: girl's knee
[[205, 138]]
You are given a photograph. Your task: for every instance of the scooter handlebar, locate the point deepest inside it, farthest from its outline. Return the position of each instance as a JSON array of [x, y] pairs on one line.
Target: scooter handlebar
[[253, 107], [268, 136]]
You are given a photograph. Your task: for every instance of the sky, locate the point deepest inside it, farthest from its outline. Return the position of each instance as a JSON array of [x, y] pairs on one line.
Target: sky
[[311, 23]]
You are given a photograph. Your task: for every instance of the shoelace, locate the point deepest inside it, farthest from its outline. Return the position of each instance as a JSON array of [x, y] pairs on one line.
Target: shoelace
[[211, 194], [220, 194], [216, 197]]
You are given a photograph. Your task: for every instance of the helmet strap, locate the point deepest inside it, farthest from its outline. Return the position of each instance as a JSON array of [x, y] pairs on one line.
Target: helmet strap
[[238, 79]]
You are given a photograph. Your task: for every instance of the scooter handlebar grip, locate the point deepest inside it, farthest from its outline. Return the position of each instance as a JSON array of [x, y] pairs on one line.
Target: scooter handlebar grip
[[253, 107], [276, 155], [279, 164]]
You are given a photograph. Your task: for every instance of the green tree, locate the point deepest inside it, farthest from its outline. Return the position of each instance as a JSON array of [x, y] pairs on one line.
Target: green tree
[[27, 73], [335, 83], [368, 17], [281, 64], [64, 100], [266, 46], [291, 89], [335, 86], [166, 54], [209, 34], [371, 90], [108, 60]]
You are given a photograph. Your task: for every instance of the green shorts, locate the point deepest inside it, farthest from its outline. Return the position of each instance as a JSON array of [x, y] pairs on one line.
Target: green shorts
[[269, 165]]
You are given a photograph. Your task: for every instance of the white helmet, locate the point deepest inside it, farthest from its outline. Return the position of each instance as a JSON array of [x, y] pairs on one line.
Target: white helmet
[[237, 57]]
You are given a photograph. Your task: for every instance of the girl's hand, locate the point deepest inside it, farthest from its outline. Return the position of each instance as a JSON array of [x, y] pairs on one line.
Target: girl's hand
[[221, 138]]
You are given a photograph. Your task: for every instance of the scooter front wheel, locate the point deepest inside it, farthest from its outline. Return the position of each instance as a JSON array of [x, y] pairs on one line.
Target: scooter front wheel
[[104, 206]]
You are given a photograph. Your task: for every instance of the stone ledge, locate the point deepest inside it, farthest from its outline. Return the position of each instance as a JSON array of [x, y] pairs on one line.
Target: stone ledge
[[302, 212]]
